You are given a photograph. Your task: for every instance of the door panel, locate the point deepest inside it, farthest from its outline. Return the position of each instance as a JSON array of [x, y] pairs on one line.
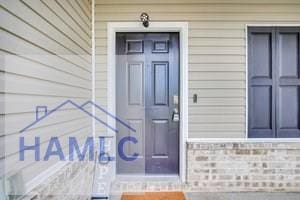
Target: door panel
[[130, 101], [132, 148], [135, 83], [161, 83], [147, 81], [160, 129]]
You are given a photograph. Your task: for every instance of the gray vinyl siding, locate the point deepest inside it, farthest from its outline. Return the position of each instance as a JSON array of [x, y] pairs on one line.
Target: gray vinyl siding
[[51, 44], [217, 52]]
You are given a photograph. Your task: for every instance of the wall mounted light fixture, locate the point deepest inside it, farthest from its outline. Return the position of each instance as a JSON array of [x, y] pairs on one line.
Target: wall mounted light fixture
[[145, 19]]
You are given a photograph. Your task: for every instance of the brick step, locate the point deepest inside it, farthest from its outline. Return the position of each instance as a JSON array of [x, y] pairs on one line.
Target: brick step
[[144, 185]]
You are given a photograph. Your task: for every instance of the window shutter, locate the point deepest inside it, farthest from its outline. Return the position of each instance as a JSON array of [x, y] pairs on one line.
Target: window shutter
[[261, 83], [288, 82]]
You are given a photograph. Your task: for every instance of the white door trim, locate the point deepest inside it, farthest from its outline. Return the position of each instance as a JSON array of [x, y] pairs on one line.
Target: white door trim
[[182, 29]]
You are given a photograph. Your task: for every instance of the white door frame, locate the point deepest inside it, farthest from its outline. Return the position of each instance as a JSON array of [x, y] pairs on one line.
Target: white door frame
[[182, 29]]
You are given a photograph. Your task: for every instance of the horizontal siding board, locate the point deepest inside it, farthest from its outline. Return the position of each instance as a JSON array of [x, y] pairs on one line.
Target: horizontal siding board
[[221, 93], [102, 76], [2, 81], [217, 76], [196, 67], [36, 167], [237, 25], [68, 9], [101, 59], [101, 42], [215, 50], [102, 84], [198, 8], [54, 7], [22, 167], [196, 42], [20, 103], [25, 85], [215, 134], [14, 45], [213, 119], [88, 4], [216, 84], [16, 26], [199, 33], [235, 17], [214, 101], [216, 42], [80, 13], [45, 55], [218, 127], [101, 67], [86, 8], [38, 71], [121, 2], [226, 59], [41, 21], [60, 23], [17, 121], [216, 110], [52, 130], [101, 50]]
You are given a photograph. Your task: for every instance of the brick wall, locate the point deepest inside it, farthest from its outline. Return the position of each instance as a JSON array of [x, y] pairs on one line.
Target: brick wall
[[74, 181], [251, 166]]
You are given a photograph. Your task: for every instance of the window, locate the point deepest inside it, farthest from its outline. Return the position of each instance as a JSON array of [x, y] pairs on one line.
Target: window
[[274, 82]]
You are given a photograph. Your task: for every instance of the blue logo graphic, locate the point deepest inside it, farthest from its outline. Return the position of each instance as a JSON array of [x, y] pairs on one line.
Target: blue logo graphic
[[55, 148]]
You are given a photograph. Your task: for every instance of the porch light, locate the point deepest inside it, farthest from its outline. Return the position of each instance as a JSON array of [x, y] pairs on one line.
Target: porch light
[[145, 19]]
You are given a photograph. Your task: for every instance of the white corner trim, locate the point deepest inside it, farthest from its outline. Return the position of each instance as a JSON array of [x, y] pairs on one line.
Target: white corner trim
[[93, 69], [182, 29]]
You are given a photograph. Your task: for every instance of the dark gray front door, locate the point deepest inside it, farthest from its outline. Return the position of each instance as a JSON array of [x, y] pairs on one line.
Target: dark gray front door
[[147, 97], [274, 81]]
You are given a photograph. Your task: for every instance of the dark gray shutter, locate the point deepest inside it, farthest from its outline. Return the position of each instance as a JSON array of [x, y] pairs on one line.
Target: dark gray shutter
[[274, 82], [288, 82], [261, 90]]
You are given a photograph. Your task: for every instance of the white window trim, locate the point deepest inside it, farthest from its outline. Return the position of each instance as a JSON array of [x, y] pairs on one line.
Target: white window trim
[[182, 29]]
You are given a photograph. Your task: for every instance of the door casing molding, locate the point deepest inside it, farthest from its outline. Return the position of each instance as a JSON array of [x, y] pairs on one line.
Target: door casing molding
[[182, 29]]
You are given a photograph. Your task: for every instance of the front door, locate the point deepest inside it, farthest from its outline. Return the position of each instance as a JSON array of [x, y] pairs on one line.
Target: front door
[[147, 98]]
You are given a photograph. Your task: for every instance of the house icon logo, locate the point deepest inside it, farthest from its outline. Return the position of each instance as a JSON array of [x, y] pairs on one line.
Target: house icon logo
[[42, 113], [54, 146]]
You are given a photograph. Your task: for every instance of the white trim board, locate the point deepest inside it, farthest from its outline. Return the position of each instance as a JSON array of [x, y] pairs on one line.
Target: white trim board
[[93, 69], [243, 140], [182, 29]]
